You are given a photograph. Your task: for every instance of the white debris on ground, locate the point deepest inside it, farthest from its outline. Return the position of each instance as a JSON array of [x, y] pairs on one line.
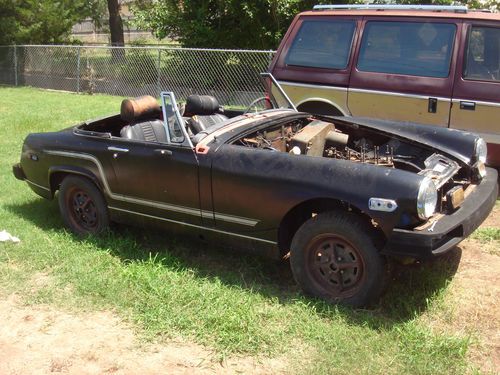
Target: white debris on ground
[[6, 236]]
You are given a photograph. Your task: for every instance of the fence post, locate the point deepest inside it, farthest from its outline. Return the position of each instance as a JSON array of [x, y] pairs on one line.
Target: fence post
[[15, 65], [78, 70], [158, 71]]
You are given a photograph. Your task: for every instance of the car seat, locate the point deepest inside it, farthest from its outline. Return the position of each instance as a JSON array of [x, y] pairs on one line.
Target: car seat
[[202, 112], [143, 115]]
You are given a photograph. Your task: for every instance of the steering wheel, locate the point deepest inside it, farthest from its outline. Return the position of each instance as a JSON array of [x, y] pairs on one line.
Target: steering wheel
[[257, 101]]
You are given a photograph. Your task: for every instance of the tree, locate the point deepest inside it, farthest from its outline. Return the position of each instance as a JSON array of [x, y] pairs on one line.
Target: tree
[[221, 23], [116, 29], [115, 23], [40, 21], [257, 24], [8, 22]]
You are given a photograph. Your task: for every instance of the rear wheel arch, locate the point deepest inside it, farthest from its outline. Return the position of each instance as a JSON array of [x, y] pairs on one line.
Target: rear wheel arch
[[320, 107], [302, 212], [57, 175]]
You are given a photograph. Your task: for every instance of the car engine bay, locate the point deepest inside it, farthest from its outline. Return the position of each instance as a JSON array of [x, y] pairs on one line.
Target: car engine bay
[[318, 138]]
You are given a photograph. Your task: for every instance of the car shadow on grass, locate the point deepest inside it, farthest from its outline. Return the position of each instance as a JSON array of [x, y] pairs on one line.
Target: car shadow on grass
[[410, 292]]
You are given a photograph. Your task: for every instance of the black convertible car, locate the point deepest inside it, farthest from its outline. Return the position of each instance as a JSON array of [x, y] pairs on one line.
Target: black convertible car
[[337, 195]]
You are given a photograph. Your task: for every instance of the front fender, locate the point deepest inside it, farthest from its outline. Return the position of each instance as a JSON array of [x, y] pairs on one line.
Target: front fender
[[266, 185]]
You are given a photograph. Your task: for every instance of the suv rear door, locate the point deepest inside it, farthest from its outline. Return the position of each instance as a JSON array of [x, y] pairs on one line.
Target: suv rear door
[[404, 69], [476, 95]]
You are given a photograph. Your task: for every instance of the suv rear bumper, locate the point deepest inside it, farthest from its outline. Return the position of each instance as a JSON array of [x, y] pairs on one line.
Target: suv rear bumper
[[449, 230]]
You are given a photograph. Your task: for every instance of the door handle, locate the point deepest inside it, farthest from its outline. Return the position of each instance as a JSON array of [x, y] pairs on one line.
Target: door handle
[[117, 149], [162, 152], [470, 106], [432, 105]]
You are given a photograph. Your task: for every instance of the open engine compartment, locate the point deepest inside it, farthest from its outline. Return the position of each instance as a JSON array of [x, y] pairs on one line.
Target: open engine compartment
[[319, 138], [316, 137]]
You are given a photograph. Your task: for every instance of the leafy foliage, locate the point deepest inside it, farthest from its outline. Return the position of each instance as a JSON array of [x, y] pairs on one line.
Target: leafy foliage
[[41, 21], [257, 24], [221, 24], [194, 23]]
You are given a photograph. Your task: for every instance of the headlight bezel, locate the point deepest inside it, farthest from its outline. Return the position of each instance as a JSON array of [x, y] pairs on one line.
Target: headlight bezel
[[480, 150], [427, 199]]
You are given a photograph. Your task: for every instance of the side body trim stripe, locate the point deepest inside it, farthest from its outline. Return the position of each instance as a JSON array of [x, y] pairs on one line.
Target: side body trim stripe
[[324, 87], [163, 206], [479, 102], [192, 225], [399, 94]]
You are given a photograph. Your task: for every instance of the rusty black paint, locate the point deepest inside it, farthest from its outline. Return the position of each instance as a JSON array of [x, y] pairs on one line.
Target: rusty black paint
[[250, 184]]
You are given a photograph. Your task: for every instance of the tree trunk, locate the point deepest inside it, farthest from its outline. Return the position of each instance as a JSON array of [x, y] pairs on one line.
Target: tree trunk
[[116, 29]]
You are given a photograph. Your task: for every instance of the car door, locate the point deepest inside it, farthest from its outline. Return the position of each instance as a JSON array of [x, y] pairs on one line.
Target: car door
[[476, 95], [158, 179], [404, 70]]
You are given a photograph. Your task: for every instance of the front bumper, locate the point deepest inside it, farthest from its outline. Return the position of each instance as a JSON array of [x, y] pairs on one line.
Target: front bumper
[[449, 230], [18, 172]]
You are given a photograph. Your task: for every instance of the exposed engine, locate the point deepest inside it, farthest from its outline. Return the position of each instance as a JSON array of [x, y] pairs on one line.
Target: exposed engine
[[318, 138]]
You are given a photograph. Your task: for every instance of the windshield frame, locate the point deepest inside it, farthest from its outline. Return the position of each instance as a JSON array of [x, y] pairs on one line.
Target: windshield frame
[[274, 92], [276, 97], [168, 98]]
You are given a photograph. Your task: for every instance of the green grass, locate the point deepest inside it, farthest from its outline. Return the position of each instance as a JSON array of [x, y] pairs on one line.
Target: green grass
[[490, 237], [172, 286], [488, 234]]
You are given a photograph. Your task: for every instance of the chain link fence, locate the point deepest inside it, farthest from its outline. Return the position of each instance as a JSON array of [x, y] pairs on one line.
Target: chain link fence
[[232, 76], [8, 63]]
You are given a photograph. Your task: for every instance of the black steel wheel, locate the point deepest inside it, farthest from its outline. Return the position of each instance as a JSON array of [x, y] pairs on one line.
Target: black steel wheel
[[333, 257], [82, 206]]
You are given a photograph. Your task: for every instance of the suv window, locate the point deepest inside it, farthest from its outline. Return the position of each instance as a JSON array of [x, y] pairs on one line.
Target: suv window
[[322, 44], [412, 48], [482, 60]]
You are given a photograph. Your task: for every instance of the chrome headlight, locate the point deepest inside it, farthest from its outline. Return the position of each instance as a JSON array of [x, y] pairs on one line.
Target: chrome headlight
[[481, 150], [426, 199]]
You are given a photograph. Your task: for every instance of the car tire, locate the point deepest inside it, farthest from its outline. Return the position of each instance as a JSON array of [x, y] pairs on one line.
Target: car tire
[[333, 257], [82, 205]]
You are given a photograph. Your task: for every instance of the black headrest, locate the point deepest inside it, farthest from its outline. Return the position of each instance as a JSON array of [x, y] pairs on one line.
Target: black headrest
[[201, 105], [141, 108]]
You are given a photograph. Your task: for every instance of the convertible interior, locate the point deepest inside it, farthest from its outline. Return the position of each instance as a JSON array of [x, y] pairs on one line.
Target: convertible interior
[[142, 119]]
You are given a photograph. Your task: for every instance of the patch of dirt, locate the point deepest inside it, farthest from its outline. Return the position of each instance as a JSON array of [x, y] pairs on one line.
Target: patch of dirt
[[493, 220], [473, 305], [476, 292], [43, 340], [40, 280]]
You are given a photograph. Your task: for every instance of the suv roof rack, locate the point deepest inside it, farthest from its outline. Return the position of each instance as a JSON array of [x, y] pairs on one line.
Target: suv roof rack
[[434, 8]]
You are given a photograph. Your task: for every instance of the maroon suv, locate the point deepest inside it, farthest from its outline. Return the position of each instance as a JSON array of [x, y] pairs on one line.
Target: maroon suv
[[432, 65]]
